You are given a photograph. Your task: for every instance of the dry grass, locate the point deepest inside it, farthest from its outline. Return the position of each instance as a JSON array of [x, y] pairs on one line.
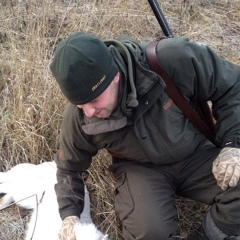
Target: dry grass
[[32, 105]]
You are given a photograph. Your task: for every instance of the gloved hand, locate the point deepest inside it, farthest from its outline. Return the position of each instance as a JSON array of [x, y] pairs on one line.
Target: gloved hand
[[226, 167], [67, 230]]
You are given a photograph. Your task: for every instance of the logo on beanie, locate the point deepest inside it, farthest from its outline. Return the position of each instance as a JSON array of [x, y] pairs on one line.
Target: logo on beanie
[[99, 83]]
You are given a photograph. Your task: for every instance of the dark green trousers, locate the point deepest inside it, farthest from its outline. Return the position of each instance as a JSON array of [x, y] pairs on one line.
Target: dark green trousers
[[145, 200]]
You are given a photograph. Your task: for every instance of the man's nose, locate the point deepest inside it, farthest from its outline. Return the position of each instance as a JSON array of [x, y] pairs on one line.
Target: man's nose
[[88, 110]]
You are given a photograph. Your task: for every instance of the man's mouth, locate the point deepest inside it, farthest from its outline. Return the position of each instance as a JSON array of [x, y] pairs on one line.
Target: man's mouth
[[98, 113]]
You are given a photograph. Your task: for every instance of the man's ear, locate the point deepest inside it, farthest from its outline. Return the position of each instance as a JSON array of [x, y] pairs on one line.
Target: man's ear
[[117, 78]]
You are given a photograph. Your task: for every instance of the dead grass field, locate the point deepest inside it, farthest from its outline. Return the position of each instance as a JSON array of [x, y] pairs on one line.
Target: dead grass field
[[31, 104]]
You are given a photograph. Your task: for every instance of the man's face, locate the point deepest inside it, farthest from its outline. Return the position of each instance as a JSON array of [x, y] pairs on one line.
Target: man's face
[[103, 106]]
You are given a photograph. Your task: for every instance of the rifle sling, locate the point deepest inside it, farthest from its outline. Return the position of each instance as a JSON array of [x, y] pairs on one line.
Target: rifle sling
[[175, 95]]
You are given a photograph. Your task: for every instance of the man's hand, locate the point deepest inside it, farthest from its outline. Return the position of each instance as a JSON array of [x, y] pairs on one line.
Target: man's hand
[[226, 168], [67, 230]]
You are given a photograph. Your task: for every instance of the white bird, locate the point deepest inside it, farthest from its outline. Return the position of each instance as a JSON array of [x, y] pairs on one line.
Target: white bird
[[32, 187]]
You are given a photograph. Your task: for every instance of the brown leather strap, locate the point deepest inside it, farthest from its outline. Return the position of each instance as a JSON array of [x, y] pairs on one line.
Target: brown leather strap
[[175, 95]]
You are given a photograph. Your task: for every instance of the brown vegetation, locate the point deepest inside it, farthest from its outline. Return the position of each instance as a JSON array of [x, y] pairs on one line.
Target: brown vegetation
[[32, 105]]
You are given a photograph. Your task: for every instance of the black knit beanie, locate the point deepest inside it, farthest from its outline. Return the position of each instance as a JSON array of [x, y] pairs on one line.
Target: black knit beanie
[[83, 67]]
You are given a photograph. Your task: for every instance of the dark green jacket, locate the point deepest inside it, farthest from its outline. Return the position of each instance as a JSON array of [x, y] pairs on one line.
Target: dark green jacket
[[156, 130]]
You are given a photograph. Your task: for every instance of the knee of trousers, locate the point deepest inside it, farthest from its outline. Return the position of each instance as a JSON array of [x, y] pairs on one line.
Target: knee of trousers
[[142, 217], [225, 212], [144, 227]]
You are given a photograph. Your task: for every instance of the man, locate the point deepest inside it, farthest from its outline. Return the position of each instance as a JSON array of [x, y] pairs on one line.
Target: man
[[118, 103]]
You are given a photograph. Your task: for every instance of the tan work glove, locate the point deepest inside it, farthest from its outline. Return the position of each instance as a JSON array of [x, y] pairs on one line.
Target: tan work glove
[[226, 168], [67, 230]]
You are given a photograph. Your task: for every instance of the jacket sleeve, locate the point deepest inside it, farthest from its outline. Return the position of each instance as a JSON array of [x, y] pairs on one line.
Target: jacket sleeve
[[201, 75], [73, 159]]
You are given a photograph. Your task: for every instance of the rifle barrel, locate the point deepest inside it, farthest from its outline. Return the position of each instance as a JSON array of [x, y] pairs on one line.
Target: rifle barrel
[[160, 18]]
